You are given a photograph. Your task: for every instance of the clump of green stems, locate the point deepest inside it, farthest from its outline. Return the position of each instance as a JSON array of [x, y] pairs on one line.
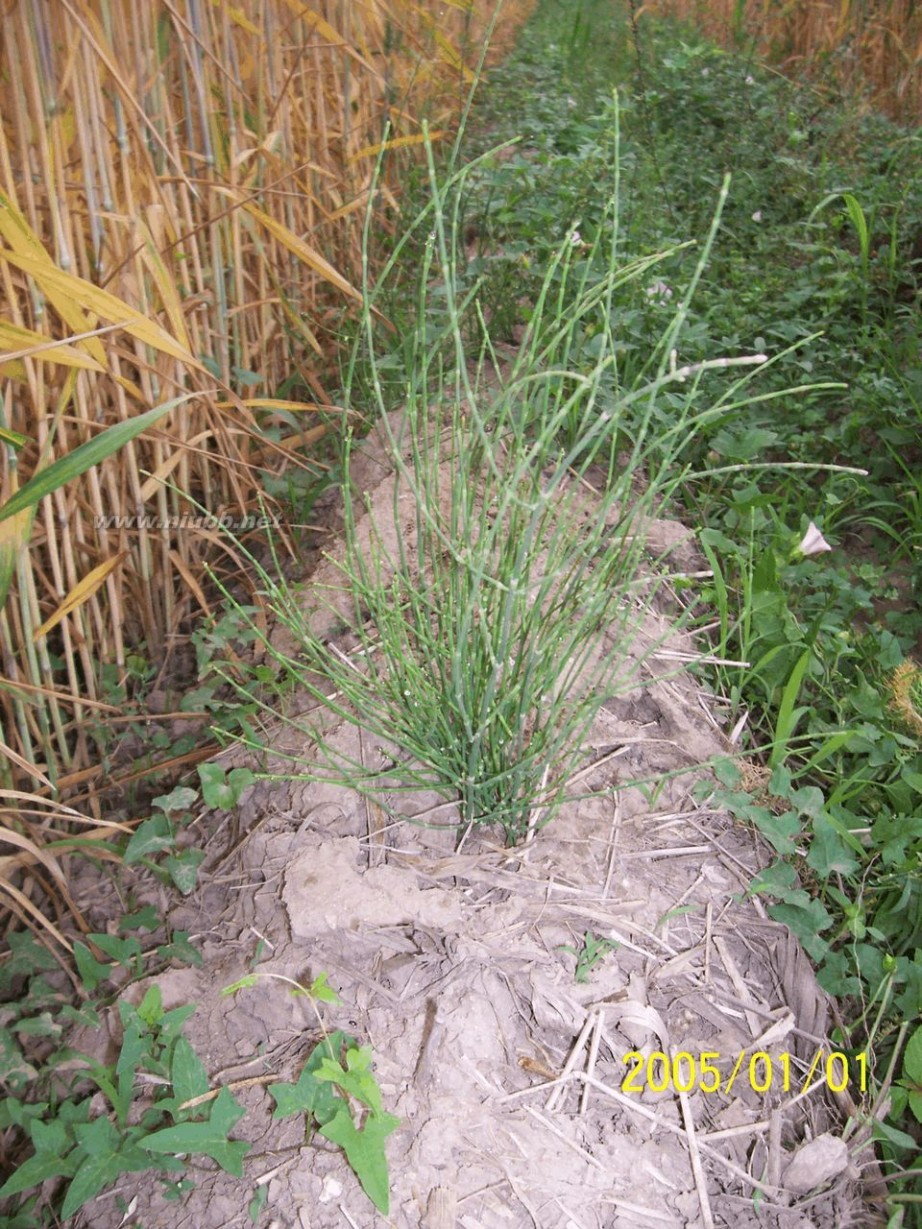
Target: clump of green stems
[[485, 644]]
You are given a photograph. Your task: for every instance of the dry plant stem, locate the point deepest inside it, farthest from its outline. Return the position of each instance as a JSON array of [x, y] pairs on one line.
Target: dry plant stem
[[594, 1042], [558, 1087], [614, 833], [441, 1209], [738, 984], [565, 1139], [774, 1146], [346, 1217], [108, 109], [535, 813], [650, 1215], [592, 1032], [691, 1140]]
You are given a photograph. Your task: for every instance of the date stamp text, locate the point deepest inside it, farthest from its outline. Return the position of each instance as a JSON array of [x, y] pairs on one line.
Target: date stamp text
[[709, 1072]]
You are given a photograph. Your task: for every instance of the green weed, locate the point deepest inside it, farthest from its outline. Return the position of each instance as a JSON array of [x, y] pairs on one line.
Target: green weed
[[83, 1151], [476, 647], [588, 956], [89, 1122], [337, 1069]]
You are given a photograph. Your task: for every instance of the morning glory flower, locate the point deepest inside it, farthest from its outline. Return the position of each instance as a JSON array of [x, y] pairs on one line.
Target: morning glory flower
[[812, 543]]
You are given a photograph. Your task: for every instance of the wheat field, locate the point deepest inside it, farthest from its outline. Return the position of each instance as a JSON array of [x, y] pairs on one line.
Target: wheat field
[[183, 189]]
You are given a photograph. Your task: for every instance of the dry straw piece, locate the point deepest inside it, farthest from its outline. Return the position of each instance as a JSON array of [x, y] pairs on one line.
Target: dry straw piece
[[184, 188], [868, 47], [906, 695]]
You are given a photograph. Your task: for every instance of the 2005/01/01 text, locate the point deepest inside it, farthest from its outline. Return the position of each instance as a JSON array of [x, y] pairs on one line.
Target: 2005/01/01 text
[[684, 1072]]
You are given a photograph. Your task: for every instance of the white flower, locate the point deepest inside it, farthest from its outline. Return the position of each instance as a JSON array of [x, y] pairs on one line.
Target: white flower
[[750, 80], [813, 542], [571, 103], [659, 293], [757, 216], [705, 72], [576, 238]]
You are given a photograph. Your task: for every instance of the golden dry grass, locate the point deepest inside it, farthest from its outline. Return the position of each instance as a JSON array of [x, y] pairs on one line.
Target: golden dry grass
[[184, 185], [866, 47]]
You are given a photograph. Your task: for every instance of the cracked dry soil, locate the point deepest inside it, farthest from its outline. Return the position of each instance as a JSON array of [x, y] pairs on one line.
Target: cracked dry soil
[[508, 1075]]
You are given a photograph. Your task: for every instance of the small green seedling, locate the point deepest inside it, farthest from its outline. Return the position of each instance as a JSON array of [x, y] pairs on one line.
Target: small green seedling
[[158, 834], [337, 1072], [589, 955]]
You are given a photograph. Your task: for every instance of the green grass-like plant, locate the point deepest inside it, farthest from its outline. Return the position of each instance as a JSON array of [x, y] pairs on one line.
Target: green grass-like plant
[[483, 646], [591, 953]]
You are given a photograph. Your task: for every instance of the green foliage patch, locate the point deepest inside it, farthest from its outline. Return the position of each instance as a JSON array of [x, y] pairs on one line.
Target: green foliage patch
[[77, 1124], [82, 1151]]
